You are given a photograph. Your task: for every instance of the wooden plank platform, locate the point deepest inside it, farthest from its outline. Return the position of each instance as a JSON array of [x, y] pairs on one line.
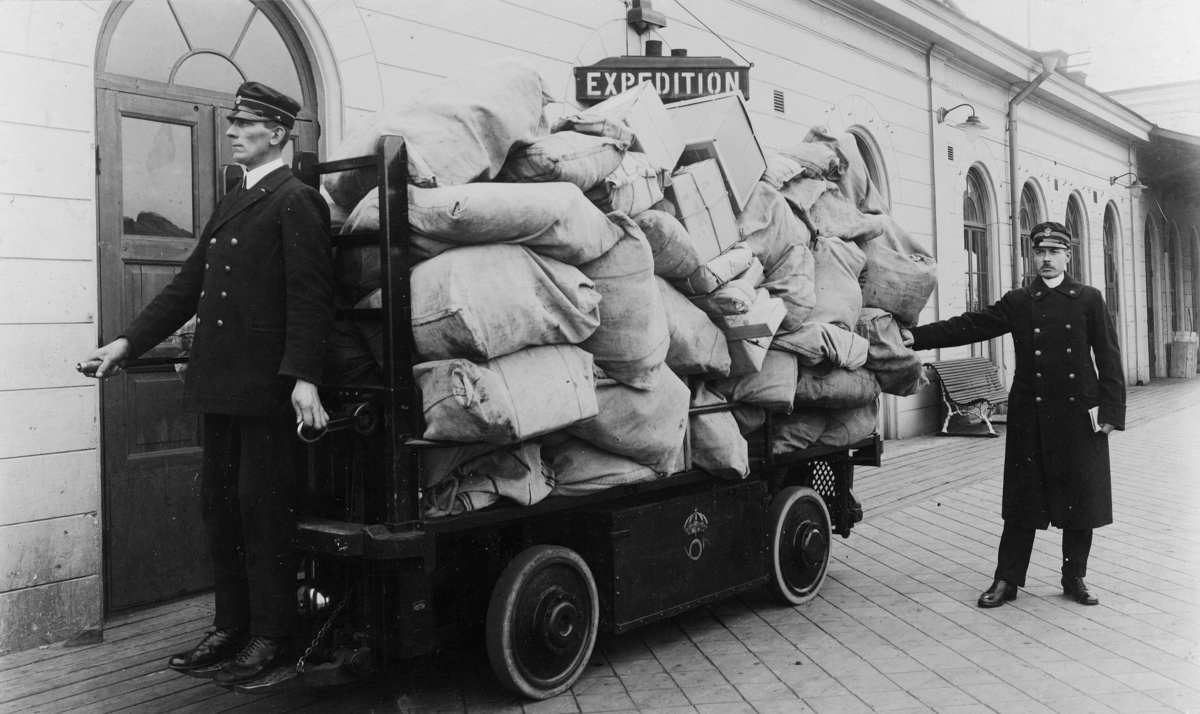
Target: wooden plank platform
[[128, 673]]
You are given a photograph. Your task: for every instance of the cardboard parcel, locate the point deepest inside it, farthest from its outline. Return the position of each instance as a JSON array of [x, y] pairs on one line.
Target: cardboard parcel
[[576, 289]]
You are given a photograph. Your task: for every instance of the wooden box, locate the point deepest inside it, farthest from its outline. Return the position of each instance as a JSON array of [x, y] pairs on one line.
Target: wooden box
[[655, 558], [718, 127], [700, 196], [654, 134]]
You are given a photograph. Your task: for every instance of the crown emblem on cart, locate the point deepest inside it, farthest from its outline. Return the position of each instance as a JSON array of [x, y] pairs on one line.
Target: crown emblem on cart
[[695, 523]]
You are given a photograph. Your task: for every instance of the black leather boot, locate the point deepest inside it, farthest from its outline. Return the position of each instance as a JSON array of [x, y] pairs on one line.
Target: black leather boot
[[996, 595], [218, 646], [258, 656], [1074, 587]]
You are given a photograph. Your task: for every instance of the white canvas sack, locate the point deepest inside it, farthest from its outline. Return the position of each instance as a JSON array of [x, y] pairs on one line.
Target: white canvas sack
[[566, 156], [646, 425], [697, 345], [581, 468], [509, 399], [718, 446], [483, 302]]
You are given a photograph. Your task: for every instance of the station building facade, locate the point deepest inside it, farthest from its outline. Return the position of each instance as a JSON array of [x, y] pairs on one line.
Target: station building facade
[[113, 150]]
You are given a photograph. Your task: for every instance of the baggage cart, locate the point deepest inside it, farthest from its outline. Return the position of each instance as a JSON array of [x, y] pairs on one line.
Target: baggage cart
[[381, 584]]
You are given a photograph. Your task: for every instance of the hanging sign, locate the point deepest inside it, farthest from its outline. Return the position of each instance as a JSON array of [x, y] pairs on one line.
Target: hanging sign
[[675, 78]]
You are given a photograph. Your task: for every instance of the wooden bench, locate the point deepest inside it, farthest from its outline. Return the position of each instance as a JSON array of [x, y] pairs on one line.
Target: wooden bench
[[970, 386]]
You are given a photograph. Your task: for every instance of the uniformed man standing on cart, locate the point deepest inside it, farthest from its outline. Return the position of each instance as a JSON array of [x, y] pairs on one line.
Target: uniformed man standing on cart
[[260, 283], [1056, 469]]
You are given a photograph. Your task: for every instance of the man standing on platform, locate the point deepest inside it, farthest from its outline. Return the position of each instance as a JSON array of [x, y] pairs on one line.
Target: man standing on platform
[[1056, 468], [260, 283]]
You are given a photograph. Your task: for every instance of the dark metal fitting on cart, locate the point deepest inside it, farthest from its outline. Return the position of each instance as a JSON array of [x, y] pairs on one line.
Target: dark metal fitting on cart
[[360, 417]]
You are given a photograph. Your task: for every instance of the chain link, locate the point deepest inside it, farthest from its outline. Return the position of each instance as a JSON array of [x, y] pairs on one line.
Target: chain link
[[321, 633]]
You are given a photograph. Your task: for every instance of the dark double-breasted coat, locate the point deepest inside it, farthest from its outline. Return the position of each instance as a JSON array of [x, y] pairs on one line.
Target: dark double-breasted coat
[[1056, 467], [260, 283]]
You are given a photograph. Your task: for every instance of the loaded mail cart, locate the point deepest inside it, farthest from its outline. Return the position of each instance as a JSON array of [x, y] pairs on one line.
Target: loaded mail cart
[[538, 582]]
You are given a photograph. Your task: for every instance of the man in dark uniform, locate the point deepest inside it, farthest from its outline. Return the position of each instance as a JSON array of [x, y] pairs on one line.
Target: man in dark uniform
[[260, 283], [1056, 469]]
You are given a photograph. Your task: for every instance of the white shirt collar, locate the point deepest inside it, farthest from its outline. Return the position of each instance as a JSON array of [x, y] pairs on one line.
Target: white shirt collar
[[1054, 282], [253, 176]]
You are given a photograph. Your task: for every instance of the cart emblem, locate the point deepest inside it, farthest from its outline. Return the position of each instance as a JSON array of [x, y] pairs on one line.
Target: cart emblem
[[694, 526]]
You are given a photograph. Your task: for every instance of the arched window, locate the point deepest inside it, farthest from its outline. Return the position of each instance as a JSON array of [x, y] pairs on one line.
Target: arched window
[[875, 168], [1031, 215], [1171, 279], [1076, 227], [975, 242], [1111, 273]]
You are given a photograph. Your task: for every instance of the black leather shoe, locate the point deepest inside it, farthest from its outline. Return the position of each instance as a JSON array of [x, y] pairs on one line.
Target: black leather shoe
[[996, 595], [258, 656], [1074, 587], [217, 647]]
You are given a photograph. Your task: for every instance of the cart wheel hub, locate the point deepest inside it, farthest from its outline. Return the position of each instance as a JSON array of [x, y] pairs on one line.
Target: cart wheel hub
[[560, 620], [810, 545]]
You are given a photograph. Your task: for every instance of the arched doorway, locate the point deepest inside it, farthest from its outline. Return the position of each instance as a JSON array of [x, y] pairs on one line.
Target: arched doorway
[[166, 72], [1077, 227], [1112, 295], [1031, 215]]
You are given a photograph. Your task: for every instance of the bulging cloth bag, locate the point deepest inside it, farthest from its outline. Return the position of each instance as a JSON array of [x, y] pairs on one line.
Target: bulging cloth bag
[[897, 368], [817, 342], [509, 399], [834, 215], [646, 425], [854, 180], [830, 387], [843, 427], [806, 160], [697, 345], [551, 219], [581, 468], [772, 387], [633, 338], [718, 446], [483, 302], [899, 275], [674, 256], [799, 430], [566, 156], [780, 242], [632, 188], [515, 472], [457, 131], [838, 264]]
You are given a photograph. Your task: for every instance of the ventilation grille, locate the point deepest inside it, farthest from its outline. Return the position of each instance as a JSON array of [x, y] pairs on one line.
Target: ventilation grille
[[1095, 197], [779, 101], [1055, 184], [950, 153]]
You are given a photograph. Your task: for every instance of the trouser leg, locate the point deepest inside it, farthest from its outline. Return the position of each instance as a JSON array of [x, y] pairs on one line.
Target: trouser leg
[[1077, 544], [1016, 547], [221, 513], [267, 492]]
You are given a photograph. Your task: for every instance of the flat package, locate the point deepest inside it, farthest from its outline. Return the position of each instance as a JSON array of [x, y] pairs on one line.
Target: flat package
[[699, 192], [654, 134], [718, 127]]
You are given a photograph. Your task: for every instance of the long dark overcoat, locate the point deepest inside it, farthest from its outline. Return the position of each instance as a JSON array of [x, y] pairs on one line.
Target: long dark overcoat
[[1056, 468], [260, 283]]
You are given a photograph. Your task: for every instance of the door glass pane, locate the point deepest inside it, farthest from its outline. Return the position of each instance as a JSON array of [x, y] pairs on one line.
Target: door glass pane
[[265, 58], [156, 166], [209, 71], [213, 24], [146, 43]]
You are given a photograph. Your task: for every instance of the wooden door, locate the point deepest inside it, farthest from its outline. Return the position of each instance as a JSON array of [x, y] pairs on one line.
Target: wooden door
[[157, 180]]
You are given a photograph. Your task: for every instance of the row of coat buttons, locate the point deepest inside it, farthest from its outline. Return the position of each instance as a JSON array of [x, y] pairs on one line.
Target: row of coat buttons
[[227, 268], [220, 323], [1038, 353], [1038, 330], [223, 294], [213, 241], [1069, 376], [1038, 399]]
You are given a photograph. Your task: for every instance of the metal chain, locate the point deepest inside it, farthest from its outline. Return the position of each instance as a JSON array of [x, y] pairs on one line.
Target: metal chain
[[321, 633]]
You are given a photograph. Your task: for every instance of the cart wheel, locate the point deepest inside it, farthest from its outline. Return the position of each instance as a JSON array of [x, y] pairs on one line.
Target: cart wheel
[[800, 544], [542, 621]]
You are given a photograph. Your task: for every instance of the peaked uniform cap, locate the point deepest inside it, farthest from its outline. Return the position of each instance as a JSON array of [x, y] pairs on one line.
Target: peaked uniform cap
[[256, 101], [1050, 235]]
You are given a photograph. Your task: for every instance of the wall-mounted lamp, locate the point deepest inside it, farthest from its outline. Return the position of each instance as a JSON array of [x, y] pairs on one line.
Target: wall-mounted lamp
[[642, 16], [1135, 188], [971, 127]]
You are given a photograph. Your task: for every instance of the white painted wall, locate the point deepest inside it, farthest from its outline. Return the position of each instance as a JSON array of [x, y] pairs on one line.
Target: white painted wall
[[834, 67]]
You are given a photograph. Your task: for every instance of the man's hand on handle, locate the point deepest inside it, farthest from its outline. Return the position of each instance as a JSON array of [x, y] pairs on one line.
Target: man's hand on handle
[[307, 405], [105, 361]]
